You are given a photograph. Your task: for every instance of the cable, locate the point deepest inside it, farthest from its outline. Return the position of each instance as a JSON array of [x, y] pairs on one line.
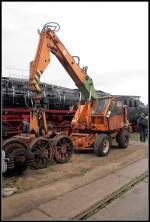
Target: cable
[[78, 58]]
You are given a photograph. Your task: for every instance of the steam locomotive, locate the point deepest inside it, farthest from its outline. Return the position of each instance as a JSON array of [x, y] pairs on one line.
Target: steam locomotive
[[60, 103]]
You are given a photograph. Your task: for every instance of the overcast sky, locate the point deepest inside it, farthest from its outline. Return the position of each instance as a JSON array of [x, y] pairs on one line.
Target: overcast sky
[[111, 38]]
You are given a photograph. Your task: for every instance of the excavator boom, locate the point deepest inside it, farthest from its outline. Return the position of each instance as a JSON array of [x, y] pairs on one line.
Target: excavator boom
[[50, 43]]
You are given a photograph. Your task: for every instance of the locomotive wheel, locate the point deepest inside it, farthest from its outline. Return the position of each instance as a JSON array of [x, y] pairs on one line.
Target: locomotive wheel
[[15, 151], [43, 152], [63, 148], [102, 145]]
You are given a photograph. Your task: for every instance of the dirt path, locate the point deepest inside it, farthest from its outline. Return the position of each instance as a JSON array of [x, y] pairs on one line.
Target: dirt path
[[81, 164]]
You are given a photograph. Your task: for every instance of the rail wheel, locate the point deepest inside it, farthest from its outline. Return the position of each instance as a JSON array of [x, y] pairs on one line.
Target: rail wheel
[[43, 152], [63, 148], [15, 151]]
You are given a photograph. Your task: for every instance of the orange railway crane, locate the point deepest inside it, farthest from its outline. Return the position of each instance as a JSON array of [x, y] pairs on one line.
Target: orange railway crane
[[95, 124]]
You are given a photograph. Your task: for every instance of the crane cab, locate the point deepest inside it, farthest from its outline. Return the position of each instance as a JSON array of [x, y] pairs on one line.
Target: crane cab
[[104, 116]]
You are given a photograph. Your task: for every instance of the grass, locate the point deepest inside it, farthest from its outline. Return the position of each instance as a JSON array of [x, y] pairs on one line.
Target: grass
[[13, 182], [135, 136], [51, 168], [70, 174], [84, 171], [7, 182], [81, 172]]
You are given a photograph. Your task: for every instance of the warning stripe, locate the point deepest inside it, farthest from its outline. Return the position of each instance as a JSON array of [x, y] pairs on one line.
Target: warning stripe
[[38, 73], [36, 86], [36, 81]]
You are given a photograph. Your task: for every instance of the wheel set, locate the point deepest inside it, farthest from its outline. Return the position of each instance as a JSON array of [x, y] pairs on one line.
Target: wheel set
[[16, 156], [63, 148], [38, 153], [45, 151]]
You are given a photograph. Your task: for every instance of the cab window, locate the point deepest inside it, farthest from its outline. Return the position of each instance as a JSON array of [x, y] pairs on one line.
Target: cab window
[[99, 106], [116, 107]]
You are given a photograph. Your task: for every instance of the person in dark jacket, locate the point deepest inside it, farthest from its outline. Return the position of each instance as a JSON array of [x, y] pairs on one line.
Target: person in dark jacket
[[146, 117], [142, 125], [25, 125]]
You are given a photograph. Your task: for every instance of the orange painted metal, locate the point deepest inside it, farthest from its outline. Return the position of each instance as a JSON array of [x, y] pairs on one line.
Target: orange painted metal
[[86, 120], [90, 119], [39, 64], [83, 140], [82, 117], [116, 122], [49, 42], [77, 74], [34, 120]]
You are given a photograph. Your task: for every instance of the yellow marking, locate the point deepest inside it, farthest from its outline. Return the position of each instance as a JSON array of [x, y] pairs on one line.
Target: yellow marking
[[36, 86], [37, 79], [38, 72]]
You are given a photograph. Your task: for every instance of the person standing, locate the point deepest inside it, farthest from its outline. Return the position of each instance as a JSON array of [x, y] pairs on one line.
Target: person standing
[[25, 125], [146, 117], [142, 125]]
